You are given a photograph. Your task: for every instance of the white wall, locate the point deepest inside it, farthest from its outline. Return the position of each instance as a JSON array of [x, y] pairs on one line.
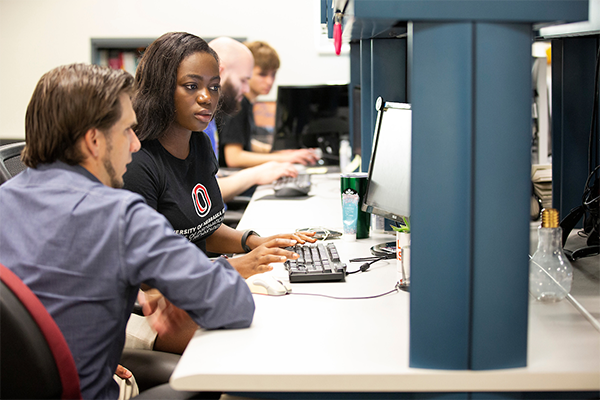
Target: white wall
[[38, 35]]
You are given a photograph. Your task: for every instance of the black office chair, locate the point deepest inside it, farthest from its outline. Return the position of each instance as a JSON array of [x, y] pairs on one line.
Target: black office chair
[[150, 367], [36, 360], [10, 160]]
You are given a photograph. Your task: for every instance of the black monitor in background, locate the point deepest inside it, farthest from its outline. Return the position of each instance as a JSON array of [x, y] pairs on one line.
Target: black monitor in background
[[312, 116], [388, 187]]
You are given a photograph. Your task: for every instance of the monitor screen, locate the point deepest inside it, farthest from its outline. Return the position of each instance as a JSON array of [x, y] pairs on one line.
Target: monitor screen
[[388, 187], [314, 116]]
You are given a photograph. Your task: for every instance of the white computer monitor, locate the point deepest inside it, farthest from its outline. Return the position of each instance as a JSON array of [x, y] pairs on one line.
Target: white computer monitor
[[388, 188]]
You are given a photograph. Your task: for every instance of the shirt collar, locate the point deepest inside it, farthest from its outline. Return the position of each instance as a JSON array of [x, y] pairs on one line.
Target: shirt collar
[[73, 168]]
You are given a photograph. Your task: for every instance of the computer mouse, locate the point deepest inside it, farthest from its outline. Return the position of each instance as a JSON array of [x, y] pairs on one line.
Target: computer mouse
[[268, 284]]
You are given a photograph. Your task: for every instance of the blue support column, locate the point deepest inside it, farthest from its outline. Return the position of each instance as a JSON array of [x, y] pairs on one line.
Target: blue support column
[[470, 194], [502, 190], [442, 153]]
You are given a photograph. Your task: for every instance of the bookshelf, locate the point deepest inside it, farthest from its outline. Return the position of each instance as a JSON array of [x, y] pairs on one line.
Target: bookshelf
[[119, 53]]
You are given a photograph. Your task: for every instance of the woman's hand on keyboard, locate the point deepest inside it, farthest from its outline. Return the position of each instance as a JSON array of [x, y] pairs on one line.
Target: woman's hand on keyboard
[[259, 259], [300, 237]]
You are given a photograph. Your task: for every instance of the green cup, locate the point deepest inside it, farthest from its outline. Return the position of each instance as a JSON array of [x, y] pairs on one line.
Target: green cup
[[356, 184]]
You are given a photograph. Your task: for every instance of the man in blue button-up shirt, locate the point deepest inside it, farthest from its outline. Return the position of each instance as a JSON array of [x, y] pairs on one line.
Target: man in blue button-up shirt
[[82, 245]]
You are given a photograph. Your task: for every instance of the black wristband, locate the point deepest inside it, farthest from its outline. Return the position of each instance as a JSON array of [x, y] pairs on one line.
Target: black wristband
[[247, 248]]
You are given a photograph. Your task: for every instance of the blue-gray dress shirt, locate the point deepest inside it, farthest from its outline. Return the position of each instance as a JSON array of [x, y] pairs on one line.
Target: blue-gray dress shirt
[[84, 249]]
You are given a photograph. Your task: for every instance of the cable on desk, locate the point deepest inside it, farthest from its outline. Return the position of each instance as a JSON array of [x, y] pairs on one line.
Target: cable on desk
[[584, 312], [395, 290], [572, 300], [366, 265]]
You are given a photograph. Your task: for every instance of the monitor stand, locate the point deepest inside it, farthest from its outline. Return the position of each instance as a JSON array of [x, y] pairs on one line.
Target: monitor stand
[[386, 250]]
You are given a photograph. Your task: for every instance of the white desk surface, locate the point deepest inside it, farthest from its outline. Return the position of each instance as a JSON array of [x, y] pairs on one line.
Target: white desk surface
[[317, 344]]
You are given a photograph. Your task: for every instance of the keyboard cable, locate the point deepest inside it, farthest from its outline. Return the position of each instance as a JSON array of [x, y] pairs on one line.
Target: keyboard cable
[[366, 265], [395, 290]]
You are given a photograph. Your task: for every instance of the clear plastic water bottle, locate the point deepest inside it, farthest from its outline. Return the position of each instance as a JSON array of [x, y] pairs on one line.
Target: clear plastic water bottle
[[550, 272], [345, 154]]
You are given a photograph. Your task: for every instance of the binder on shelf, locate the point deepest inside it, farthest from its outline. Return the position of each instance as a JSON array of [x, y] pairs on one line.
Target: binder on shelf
[[115, 59], [129, 59], [541, 176]]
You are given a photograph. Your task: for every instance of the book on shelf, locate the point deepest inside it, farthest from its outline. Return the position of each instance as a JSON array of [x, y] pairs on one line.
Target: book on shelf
[[115, 59], [129, 61], [541, 173], [119, 59], [103, 58], [541, 176]]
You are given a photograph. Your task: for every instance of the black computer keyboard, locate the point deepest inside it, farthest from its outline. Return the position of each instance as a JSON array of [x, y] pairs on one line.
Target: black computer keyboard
[[318, 262], [297, 186]]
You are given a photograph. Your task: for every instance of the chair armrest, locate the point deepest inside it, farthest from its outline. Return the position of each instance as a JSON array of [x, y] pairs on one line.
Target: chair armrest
[[151, 368]]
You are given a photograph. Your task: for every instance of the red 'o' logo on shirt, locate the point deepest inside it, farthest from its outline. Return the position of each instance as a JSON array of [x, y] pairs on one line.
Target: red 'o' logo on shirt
[[201, 200]]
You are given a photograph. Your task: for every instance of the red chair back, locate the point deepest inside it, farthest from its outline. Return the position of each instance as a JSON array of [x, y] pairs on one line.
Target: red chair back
[[36, 360]]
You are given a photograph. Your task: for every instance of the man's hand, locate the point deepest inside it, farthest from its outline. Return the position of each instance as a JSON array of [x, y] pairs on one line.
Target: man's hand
[[270, 171], [300, 156], [164, 317], [123, 372]]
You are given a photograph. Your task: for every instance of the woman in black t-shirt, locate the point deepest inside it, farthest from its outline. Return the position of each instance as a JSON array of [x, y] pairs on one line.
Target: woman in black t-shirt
[[177, 91]]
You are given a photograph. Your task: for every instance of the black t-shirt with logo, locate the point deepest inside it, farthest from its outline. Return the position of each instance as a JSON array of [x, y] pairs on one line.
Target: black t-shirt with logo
[[186, 191]]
